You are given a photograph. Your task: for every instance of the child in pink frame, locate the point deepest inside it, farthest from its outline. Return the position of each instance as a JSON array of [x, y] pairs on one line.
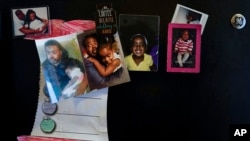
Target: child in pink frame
[[183, 48], [196, 30]]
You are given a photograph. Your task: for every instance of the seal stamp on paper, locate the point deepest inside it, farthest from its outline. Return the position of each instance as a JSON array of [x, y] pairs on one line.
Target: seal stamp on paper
[[47, 125], [49, 108]]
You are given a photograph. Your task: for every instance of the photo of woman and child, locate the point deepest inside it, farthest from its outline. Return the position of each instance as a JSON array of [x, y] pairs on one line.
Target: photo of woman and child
[[26, 21], [104, 61]]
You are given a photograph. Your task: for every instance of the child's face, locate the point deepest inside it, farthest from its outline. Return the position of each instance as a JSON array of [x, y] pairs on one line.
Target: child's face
[[107, 55], [138, 47], [185, 35]]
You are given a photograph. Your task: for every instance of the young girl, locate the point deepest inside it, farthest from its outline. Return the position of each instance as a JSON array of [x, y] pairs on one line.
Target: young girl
[[138, 60], [183, 47], [109, 54]]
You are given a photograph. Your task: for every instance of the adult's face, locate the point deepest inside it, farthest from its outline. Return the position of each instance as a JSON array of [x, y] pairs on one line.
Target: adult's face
[[54, 54], [138, 47], [32, 16], [91, 46], [20, 15]]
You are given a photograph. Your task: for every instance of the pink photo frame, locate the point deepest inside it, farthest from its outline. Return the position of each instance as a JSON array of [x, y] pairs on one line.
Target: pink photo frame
[[183, 55]]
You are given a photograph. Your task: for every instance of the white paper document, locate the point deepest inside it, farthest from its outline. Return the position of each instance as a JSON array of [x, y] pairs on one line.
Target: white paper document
[[83, 117]]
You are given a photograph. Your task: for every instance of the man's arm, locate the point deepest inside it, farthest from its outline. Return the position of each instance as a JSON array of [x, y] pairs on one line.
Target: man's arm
[[26, 31], [95, 79], [82, 86], [105, 70]]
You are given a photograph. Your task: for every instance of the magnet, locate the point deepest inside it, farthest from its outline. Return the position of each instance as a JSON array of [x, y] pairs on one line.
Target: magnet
[[49, 108], [238, 21], [47, 125]]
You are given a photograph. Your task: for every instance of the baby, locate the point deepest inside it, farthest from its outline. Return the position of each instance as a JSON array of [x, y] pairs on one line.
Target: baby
[[76, 77], [183, 47]]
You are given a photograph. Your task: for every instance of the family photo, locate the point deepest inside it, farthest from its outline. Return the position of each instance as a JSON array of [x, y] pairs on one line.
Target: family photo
[[33, 20], [103, 59], [62, 67]]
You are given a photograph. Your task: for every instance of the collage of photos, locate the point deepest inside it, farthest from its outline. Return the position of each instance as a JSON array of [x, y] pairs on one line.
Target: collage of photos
[[79, 62], [184, 40], [30, 21], [140, 40], [110, 48], [80, 57], [76, 64]]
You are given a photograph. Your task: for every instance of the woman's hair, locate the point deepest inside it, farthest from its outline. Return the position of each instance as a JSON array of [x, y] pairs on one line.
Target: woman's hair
[[27, 17], [110, 45], [192, 16], [140, 36]]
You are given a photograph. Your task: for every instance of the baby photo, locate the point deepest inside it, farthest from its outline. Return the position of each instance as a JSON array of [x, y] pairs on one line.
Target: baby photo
[[188, 15], [62, 66], [30, 21], [140, 40], [183, 51]]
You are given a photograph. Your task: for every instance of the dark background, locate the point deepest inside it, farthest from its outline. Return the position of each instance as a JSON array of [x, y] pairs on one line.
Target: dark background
[[159, 105]]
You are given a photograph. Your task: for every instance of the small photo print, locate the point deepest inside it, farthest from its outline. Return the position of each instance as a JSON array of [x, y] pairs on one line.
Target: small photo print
[[140, 40], [183, 48], [30, 21], [188, 15], [62, 66]]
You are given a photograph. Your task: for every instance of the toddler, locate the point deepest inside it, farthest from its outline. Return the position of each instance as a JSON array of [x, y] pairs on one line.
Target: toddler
[[183, 47], [76, 77]]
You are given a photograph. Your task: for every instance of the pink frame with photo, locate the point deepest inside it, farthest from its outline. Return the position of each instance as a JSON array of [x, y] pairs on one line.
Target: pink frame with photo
[[192, 65]]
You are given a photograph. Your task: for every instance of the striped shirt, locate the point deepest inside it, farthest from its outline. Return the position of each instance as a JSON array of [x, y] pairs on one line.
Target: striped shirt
[[183, 46]]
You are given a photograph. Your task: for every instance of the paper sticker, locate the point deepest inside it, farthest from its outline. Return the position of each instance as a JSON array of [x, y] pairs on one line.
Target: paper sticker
[[47, 125]]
